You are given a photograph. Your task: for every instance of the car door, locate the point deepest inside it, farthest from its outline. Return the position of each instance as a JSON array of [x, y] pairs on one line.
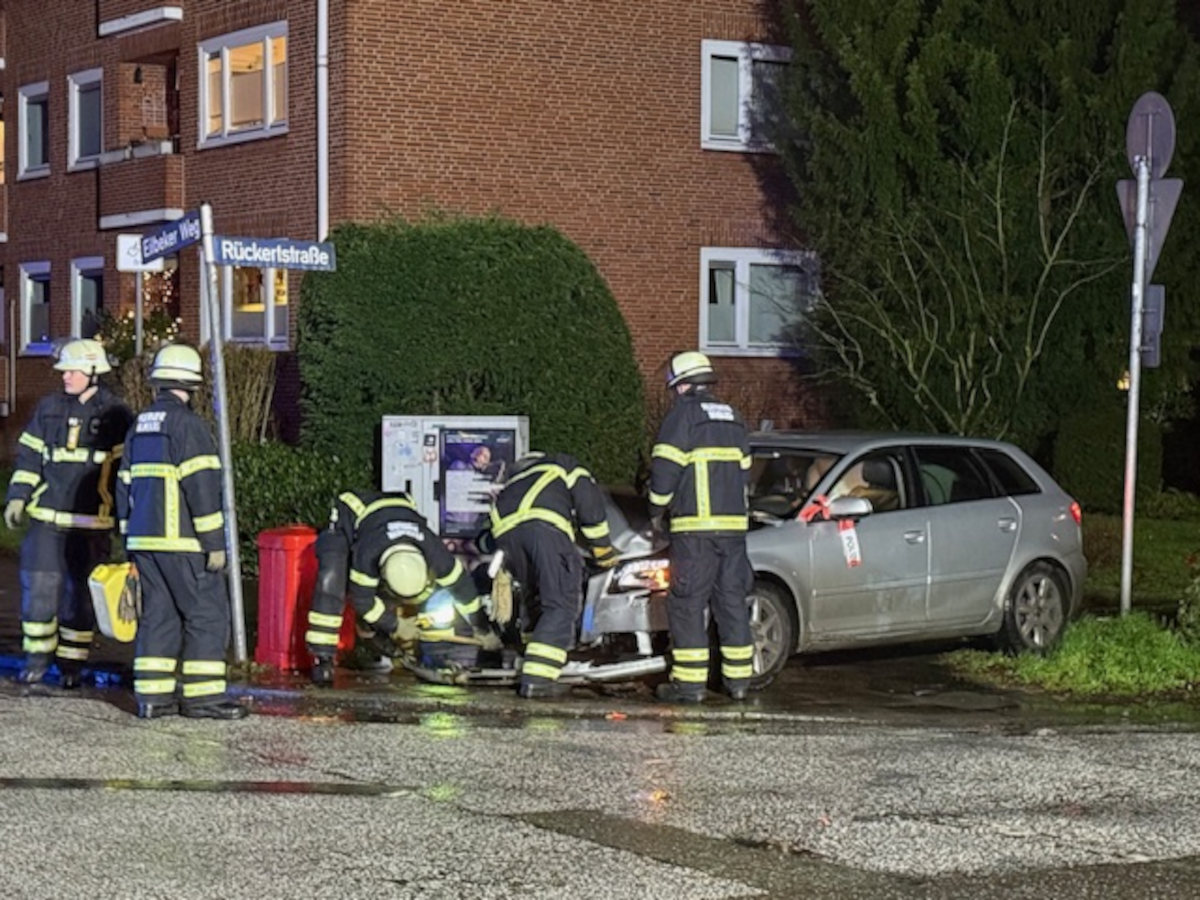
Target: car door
[[973, 531], [885, 591]]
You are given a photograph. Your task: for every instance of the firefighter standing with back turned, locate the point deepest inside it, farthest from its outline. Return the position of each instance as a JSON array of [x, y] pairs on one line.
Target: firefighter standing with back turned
[[698, 476], [169, 504], [64, 477], [533, 521]]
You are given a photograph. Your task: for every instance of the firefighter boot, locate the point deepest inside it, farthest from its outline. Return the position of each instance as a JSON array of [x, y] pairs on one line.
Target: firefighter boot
[[322, 671], [34, 669], [147, 710], [543, 690], [678, 692], [224, 709], [70, 674]]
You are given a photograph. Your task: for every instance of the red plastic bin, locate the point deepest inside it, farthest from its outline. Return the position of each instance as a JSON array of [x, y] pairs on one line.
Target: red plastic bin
[[287, 572]]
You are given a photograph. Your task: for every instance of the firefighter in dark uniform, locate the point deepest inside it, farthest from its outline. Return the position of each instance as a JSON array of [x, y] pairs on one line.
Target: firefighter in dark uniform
[[534, 519], [698, 476], [65, 473], [333, 569], [394, 549], [169, 504]]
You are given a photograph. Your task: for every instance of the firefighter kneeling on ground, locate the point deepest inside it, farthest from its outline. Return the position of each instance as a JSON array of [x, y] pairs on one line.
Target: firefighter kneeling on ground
[[64, 478], [169, 505], [534, 519], [395, 553]]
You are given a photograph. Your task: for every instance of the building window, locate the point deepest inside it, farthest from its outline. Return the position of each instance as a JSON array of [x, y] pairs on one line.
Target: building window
[[87, 295], [740, 88], [35, 308], [752, 301], [85, 118], [255, 305], [33, 148], [243, 85]]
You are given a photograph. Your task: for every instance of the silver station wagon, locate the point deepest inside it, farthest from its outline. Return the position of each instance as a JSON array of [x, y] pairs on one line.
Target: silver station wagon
[[863, 539]]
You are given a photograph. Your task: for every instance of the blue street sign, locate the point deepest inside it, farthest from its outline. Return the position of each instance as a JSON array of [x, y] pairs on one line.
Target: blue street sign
[[171, 238], [274, 253]]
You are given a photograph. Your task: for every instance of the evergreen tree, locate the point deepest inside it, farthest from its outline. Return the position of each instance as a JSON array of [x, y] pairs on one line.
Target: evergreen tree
[[954, 163]]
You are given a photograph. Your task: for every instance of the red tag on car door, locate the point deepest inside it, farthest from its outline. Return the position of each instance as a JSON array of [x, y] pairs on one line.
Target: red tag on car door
[[850, 548]]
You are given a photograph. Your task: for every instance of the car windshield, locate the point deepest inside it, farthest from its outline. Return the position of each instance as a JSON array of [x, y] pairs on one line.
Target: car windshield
[[781, 481]]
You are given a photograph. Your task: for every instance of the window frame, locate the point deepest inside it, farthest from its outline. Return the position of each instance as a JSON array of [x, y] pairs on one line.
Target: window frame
[[76, 81], [266, 339], [30, 272], [743, 258], [82, 266], [747, 53], [222, 44], [26, 94]]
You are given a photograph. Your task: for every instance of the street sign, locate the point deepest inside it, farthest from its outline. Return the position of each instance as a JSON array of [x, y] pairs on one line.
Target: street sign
[[129, 255], [1150, 133], [1160, 209], [274, 253], [1153, 309], [172, 237]]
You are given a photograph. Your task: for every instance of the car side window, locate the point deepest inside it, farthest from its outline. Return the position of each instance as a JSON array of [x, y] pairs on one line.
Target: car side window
[[878, 477], [1009, 474], [952, 475], [780, 482]]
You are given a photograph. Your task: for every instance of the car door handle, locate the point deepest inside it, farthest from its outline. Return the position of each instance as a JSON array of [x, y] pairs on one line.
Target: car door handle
[[1007, 524], [915, 537]]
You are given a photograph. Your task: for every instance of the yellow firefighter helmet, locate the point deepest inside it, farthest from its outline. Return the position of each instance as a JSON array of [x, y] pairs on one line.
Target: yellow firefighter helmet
[[404, 570], [177, 363], [83, 355], [690, 367]]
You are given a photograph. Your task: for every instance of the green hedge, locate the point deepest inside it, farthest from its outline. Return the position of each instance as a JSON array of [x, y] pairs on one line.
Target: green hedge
[[276, 484], [468, 317], [1089, 458]]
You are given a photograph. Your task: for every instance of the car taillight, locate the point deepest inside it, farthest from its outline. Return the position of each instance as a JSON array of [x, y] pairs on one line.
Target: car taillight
[[1076, 512]]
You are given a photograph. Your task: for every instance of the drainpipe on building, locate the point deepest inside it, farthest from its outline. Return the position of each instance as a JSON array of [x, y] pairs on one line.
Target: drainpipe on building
[[322, 119]]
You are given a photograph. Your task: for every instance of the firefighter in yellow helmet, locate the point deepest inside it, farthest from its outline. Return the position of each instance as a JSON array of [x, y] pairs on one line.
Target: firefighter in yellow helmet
[[169, 504], [698, 476], [63, 481]]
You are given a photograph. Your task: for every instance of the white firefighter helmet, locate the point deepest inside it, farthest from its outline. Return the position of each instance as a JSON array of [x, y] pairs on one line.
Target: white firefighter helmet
[[404, 570], [690, 367], [177, 363], [83, 355]]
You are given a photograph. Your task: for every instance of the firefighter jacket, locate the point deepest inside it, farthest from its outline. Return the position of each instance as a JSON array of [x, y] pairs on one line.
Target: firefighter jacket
[[169, 489], [348, 510], [391, 520], [700, 466], [67, 460], [559, 491]]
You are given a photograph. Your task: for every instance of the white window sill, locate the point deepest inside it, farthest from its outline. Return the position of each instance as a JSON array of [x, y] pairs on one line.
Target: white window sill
[[84, 165], [33, 174], [240, 137], [735, 146], [752, 352], [277, 346]]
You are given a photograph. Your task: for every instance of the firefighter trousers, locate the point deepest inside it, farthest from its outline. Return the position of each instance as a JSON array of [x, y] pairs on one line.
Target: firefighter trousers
[[185, 625], [329, 596], [710, 572], [545, 561], [57, 618]]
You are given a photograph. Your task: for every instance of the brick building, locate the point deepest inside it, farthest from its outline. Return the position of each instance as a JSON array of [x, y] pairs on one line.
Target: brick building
[[629, 125]]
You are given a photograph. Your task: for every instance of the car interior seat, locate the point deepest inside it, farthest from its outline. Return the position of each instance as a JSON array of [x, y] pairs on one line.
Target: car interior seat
[[880, 487]]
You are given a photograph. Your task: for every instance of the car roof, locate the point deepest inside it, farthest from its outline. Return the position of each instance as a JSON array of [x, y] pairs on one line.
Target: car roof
[[844, 442]]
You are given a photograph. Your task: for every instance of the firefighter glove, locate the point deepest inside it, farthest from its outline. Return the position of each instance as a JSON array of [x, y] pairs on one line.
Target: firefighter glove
[[215, 561], [502, 598], [609, 560], [14, 511], [129, 607], [487, 639], [658, 525], [406, 630]]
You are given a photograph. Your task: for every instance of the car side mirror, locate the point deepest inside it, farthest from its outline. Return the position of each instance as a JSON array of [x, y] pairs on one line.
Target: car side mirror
[[850, 508]]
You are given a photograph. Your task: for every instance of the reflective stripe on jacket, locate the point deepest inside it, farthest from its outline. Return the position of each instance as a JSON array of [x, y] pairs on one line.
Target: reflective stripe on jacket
[[559, 491], [699, 466]]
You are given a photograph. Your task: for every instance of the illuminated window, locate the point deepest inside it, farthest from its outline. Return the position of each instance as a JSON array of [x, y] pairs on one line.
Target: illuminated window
[[740, 94], [255, 305], [751, 300], [33, 146], [243, 85], [85, 103], [35, 308]]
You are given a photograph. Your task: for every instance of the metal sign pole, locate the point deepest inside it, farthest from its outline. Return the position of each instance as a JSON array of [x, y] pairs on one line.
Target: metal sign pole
[[216, 342], [1142, 167]]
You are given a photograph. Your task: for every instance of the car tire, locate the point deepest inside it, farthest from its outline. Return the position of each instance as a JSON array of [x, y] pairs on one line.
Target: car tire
[[1035, 612], [773, 623]]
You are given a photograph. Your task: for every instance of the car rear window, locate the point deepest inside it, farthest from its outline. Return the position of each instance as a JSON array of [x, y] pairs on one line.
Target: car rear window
[[952, 475], [1010, 474]]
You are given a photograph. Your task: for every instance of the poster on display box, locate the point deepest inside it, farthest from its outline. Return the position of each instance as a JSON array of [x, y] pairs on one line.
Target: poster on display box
[[473, 464]]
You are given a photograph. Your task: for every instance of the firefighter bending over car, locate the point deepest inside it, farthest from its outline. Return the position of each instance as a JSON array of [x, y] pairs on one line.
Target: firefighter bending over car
[[698, 477], [169, 504], [64, 477], [533, 522], [393, 548]]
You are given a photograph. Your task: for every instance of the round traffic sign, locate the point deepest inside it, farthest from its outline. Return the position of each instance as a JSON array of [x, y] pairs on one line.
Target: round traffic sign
[[1150, 133]]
